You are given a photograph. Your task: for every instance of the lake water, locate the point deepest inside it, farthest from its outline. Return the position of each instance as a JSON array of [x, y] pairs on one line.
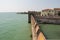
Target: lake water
[[14, 26]]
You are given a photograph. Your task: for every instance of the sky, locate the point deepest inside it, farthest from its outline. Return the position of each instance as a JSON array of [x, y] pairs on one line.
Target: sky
[[27, 5]]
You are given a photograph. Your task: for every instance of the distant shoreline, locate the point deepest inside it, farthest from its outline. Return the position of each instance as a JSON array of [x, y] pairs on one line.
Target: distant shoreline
[[21, 13]]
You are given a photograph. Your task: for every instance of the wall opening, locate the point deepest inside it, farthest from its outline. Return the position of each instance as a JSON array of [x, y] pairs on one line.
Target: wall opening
[[58, 13]]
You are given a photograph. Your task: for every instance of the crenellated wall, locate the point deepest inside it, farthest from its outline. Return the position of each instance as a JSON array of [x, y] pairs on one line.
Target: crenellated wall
[[36, 33], [33, 23]]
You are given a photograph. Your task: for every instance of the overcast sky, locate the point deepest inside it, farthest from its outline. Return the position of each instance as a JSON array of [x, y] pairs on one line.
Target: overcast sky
[[26, 5]]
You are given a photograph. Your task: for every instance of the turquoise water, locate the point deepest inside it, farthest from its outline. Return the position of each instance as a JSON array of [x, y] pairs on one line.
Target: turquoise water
[[14, 26]]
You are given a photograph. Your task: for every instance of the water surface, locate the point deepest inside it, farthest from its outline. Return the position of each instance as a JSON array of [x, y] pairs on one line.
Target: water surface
[[51, 32], [14, 26]]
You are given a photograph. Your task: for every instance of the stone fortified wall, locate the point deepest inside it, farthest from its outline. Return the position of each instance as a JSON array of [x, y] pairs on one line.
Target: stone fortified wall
[[36, 33]]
